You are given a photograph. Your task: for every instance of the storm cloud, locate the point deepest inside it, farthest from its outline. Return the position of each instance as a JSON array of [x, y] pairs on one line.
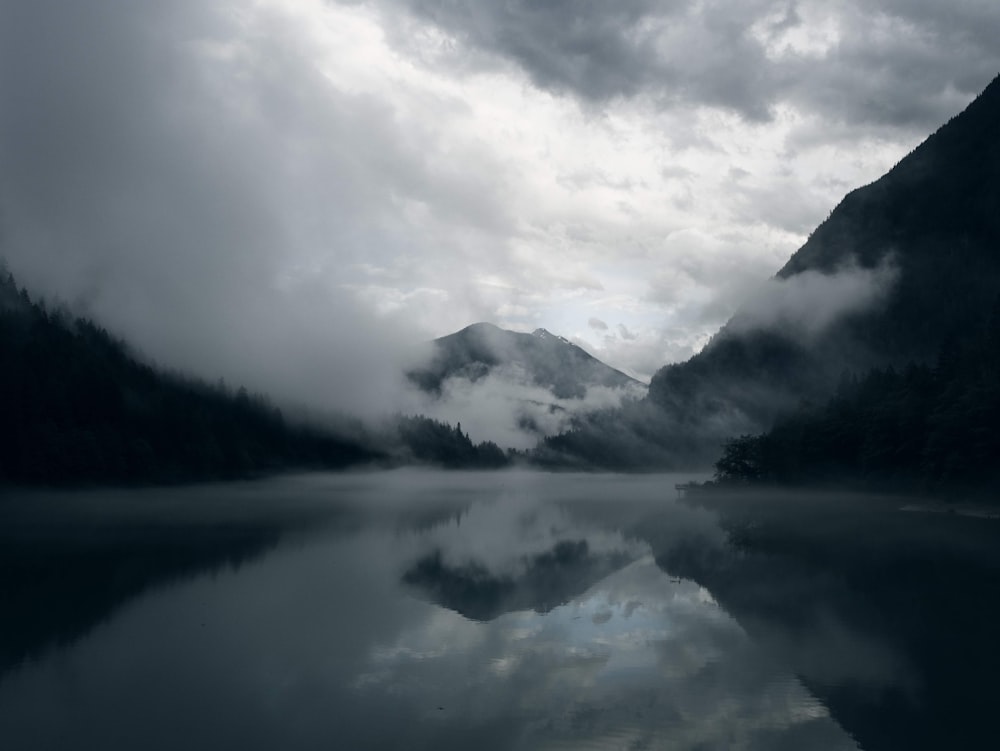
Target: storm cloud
[[747, 57], [171, 184]]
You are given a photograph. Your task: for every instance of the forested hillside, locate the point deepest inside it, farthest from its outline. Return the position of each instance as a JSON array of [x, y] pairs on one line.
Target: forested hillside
[[924, 427], [77, 407]]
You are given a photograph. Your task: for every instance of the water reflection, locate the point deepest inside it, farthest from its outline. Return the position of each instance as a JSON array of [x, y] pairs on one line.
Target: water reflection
[[888, 616], [636, 661], [492, 611], [402, 611], [514, 554]]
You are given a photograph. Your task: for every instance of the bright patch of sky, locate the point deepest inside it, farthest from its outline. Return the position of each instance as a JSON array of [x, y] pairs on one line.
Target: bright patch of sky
[[655, 220]]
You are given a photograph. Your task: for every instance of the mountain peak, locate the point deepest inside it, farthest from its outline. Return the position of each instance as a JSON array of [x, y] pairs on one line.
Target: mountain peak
[[548, 360], [544, 334], [481, 326]]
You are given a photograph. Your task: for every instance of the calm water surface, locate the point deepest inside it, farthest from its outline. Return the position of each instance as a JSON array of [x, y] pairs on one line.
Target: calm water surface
[[429, 610]]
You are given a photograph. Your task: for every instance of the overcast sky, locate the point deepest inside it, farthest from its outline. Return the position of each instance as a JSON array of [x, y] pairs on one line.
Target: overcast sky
[[291, 193]]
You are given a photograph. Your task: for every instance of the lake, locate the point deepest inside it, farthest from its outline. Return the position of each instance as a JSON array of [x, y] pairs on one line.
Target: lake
[[510, 610]]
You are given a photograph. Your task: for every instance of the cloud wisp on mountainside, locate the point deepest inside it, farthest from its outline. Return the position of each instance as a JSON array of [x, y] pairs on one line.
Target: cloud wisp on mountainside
[[507, 408], [806, 304], [514, 388]]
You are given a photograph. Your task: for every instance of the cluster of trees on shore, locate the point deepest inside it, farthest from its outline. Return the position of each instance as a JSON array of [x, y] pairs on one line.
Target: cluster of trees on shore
[[924, 427], [428, 441]]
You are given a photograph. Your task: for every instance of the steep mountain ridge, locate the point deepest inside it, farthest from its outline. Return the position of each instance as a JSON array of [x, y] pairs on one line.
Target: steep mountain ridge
[[933, 221], [935, 217]]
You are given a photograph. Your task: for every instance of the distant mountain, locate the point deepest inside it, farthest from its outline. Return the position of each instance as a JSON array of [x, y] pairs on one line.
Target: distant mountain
[[924, 238], [549, 579], [540, 358]]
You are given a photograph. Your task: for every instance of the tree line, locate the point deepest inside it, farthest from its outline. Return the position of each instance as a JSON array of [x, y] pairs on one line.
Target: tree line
[[77, 407], [927, 427]]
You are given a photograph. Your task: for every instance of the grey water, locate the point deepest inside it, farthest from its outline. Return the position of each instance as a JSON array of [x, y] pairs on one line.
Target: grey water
[[509, 610]]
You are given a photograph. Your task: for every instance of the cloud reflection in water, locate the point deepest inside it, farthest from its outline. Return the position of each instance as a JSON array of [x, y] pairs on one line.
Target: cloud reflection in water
[[321, 643], [633, 658]]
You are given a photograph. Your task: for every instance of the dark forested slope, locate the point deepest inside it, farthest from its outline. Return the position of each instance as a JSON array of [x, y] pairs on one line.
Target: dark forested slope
[[924, 428], [77, 407]]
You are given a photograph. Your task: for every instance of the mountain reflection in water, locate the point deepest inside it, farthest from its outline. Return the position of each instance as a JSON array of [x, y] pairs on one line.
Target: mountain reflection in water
[[483, 610]]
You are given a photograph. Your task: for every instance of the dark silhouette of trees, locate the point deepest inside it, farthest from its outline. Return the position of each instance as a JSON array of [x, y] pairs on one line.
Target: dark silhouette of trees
[[77, 407], [428, 441], [741, 460], [925, 427]]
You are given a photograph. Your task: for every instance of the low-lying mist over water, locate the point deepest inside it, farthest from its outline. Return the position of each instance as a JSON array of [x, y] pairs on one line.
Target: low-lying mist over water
[[510, 610]]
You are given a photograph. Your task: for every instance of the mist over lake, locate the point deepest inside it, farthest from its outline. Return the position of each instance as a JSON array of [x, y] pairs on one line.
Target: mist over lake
[[505, 610]]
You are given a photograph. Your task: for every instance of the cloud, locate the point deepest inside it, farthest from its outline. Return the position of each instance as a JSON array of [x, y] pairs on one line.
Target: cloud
[[904, 65], [597, 324], [506, 408], [625, 334], [596, 50], [746, 57], [650, 349], [807, 303], [600, 52], [189, 177]]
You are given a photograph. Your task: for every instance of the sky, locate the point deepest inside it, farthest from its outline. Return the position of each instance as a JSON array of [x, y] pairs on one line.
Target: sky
[[297, 194]]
